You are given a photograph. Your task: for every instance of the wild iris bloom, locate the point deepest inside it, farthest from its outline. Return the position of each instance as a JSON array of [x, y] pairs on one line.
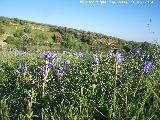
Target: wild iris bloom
[[42, 71], [119, 58], [148, 66], [52, 64], [96, 59], [145, 54], [139, 52], [48, 55], [111, 53], [60, 71], [67, 62], [22, 69], [25, 68]]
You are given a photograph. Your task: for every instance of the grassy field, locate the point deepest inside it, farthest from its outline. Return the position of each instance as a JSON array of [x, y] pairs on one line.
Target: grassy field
[[79, 86]]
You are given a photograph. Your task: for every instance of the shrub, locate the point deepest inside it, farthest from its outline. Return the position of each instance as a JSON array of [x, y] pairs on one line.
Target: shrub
[[28, 30], [18, 33], [12, 40]]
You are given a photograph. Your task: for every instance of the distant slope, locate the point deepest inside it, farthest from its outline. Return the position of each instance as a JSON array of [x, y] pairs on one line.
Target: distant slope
[[23, 33]]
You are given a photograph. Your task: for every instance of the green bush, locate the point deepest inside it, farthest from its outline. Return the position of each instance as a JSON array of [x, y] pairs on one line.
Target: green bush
[[12, 40], [18, 33], [28, 30], [2, 31]]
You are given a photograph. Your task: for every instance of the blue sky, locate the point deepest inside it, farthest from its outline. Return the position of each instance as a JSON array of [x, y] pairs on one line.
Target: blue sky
[[126, 21]]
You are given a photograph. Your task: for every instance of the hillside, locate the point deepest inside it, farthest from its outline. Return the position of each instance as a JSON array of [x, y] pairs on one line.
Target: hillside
[[31, 35]]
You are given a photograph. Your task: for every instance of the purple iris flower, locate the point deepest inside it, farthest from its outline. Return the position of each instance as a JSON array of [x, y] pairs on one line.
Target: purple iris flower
[[42, 71], [96, 59], [22, 69], [148, 66], [25, 68], [52, 64], [139, 52], [119, 58], [67, 62], [111, 53], [48, 55], [60, 71], [145, 54]]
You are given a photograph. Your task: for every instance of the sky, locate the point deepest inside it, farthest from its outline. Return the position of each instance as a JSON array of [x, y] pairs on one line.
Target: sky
[[125, 21]]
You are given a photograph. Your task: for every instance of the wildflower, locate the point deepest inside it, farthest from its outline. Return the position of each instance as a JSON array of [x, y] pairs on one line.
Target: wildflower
[[97, 55], [22, 69], [139, 51], [52, 64], [48, 55], [67, 62], [25, 68], [148, 66], [42, 71], [145, 54], [96, 59], [54, 55], [111, 52], [119, 58], [60, 71]]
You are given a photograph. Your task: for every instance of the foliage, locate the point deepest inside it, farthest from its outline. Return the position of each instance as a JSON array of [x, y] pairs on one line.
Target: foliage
[[75, 85], [28, 29], [65, 38], [12, 40], [2, 31], [19, 33], [57, 37]]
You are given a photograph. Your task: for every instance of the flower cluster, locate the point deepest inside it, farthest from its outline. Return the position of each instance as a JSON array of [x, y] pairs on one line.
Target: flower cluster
[[42, 71], [139, 52], [148, 66], [96, 59], [60, 71], [119, 58], [22, 69], [52, 64], [48, 55]]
